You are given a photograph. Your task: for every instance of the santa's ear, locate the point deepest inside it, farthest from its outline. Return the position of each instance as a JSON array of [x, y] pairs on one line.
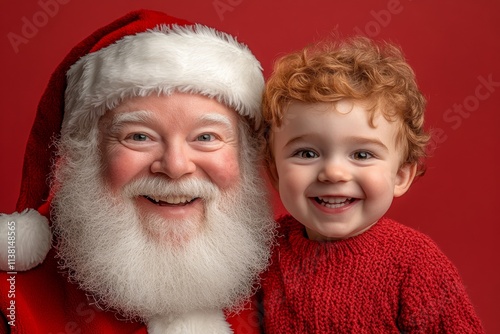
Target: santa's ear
[[404, 178]]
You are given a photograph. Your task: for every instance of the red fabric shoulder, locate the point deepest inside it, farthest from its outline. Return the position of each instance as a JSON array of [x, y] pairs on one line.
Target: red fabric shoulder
[[248, 321]]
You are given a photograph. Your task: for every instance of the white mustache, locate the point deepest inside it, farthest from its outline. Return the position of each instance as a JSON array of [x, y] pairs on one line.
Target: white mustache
[[159, 187]]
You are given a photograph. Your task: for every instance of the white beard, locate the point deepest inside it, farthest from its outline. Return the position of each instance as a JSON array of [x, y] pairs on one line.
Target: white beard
[[106, 250]]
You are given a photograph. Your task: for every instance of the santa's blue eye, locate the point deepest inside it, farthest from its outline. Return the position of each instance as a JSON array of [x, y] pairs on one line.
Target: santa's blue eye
[[139, 137], [206, 137]]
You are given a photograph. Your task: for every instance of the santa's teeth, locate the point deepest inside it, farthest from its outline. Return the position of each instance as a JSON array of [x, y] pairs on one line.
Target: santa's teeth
[[170, 199]]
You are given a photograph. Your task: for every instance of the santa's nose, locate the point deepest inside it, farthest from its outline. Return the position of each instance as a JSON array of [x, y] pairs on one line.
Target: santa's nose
[[175, 162]]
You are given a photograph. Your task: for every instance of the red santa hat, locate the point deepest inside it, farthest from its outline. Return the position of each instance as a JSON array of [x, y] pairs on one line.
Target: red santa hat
[[143, 52]]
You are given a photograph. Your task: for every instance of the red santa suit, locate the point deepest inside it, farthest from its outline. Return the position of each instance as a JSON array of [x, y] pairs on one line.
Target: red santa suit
[[45, 302]]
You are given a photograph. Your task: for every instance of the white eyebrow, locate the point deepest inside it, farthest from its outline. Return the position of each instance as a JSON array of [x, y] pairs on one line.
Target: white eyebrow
[[144, 116], [139, 116], [216, 119]]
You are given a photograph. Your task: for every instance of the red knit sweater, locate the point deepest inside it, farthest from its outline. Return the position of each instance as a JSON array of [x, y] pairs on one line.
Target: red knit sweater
[[390, 279]]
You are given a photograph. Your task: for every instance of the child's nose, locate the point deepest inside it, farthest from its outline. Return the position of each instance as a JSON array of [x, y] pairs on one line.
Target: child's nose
[[334, 170]]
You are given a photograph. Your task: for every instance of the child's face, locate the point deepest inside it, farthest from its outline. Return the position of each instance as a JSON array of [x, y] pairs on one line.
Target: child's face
[[337, 175]]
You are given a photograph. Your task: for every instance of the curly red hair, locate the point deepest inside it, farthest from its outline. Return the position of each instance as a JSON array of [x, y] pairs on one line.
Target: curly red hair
[[357, 68]]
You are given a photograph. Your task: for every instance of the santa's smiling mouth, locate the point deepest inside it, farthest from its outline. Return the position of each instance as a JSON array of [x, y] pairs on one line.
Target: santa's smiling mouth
[[334, 202], [171, 200]]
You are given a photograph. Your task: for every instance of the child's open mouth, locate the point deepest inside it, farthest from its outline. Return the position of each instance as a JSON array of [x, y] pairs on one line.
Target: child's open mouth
[[334, 202]]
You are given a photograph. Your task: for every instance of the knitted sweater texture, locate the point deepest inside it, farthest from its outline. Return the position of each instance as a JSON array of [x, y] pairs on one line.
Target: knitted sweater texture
[[389, 279]]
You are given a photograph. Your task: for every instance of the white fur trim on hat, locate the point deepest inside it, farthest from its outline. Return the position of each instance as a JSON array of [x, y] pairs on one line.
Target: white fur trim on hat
[[190, 59], [25, 240]]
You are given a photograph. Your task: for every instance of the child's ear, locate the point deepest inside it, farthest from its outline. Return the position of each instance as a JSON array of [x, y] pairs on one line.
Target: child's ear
[[404, 178]]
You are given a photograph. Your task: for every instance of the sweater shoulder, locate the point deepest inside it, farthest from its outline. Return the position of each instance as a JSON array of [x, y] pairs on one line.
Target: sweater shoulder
[[416, 249], [406, 236]]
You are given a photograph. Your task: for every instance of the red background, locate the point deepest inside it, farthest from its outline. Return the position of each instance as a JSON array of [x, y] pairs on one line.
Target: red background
[[450, 44]]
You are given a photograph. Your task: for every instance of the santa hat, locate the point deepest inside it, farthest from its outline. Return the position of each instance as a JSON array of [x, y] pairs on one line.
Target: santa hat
[[143, 52]]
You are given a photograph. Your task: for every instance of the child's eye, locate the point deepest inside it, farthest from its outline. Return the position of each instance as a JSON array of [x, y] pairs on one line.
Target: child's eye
[[306, 154], [362, 155], [206, 137], [139, 137]]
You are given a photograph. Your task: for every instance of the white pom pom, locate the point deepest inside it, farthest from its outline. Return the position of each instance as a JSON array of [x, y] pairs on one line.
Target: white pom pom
[[25, 240]]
